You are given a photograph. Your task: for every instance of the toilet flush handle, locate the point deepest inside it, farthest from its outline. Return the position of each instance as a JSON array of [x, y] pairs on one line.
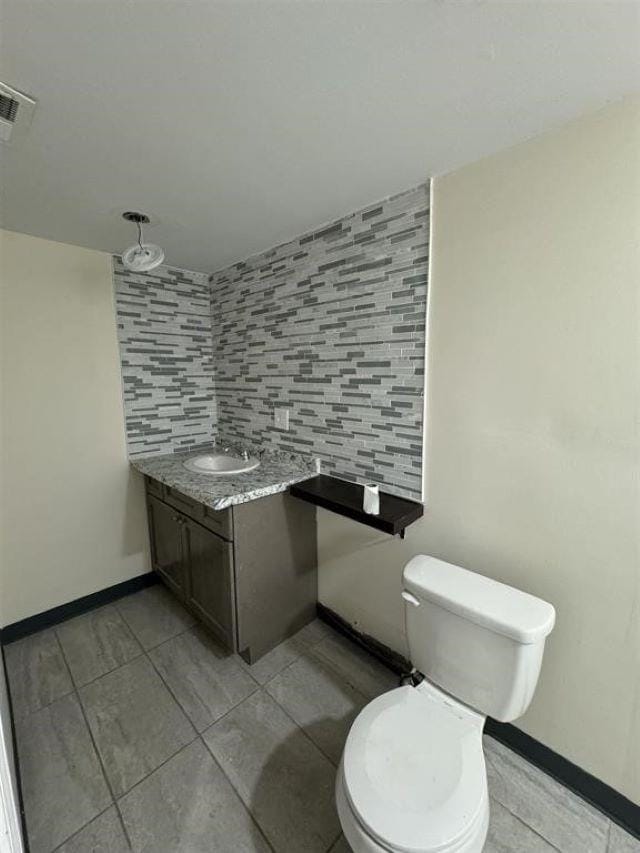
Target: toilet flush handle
[[410, 598]]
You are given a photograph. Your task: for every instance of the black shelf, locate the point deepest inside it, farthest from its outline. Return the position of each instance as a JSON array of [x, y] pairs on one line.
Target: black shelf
[[346, 499]]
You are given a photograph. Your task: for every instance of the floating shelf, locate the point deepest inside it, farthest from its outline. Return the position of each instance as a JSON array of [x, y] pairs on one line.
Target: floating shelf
[[345, 498]]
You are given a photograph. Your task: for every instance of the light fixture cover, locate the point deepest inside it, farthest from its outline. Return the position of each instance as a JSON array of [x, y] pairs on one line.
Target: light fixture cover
[[142, 259]]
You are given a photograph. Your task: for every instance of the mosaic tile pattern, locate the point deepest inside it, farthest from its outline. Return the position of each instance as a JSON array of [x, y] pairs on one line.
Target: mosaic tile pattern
[[332, 327], [164, 330]]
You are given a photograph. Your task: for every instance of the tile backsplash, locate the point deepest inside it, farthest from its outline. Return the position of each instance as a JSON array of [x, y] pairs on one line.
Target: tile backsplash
[[332, 327], [164, 331]]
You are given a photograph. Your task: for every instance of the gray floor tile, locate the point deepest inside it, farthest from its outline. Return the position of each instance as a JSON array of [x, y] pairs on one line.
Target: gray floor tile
[[508, 834], [356, 666], [154, 615], [276, 660], [205, 679], [319, 700], [96, 642], [103, 835], [315, 632], [549, 808], [37, 672], [621, 842], [285, 781], [62, 783], [135, 722], [188, 806], [320, 679]]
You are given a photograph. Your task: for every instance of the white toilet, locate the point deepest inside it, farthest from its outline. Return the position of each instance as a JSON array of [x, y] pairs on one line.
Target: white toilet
[[412, 776]]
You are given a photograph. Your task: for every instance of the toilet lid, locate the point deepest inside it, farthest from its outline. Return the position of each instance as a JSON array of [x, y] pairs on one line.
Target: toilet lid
[[414, 769]]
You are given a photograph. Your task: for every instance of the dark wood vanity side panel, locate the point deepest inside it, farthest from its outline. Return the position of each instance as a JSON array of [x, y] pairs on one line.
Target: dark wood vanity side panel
[[276, 569]]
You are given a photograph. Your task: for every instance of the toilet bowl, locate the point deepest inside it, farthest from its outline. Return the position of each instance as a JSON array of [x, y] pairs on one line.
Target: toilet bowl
[[412, 778]]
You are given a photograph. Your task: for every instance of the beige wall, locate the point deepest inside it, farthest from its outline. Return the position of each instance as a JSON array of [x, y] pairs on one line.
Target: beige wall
[[533, 445], [72, 514]]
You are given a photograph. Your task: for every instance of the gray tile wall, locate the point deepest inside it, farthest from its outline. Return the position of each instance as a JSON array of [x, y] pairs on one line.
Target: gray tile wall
[[164, 331], [332, 326]]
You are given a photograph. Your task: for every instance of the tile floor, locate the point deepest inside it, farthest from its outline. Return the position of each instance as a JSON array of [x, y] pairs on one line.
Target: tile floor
[[137, 732]]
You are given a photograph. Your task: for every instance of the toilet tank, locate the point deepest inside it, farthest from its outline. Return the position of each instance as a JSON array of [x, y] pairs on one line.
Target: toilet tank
[[479, 640]]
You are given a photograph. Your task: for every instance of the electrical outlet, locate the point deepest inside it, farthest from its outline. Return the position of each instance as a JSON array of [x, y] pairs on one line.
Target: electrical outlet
[[281, 418]]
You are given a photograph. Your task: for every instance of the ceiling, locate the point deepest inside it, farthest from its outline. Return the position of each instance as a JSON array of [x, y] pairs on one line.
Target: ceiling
[[237, 125]]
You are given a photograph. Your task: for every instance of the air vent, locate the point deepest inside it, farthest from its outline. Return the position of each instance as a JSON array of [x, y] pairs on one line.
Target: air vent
[[16, 112], [8, 108]]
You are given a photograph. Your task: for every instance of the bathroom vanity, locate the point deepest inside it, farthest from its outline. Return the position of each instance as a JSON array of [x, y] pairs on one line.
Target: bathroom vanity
[[248, 570]]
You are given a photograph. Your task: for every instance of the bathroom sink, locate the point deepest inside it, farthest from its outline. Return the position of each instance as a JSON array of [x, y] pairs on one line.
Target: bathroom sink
[[220, 463]]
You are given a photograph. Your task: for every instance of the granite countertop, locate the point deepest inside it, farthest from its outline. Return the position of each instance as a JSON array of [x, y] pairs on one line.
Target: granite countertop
[[276, 472]]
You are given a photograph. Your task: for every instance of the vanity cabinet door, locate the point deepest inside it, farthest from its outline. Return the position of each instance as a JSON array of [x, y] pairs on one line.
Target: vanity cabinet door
[[167, 553], [211, 589]]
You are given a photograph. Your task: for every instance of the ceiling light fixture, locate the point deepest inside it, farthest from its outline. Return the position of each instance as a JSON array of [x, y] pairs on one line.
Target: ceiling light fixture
[[141, 257]]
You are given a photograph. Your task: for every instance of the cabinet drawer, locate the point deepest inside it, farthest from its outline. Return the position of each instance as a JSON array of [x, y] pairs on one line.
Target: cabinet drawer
[[154, 487], [182, 502], [218, 521]]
